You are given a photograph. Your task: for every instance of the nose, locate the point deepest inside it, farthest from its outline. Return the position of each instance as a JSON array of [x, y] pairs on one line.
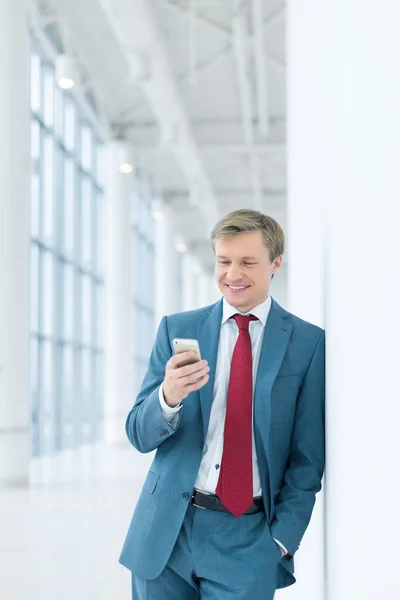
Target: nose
[[234, 273]]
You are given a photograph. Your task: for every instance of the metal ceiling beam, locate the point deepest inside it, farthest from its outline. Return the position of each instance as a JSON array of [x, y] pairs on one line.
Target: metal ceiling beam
[[142, 35], [242, 59], [195, 122], [219, 148], [278, 195], [225, 52], [178, 8], [273, 19], [257, 7]]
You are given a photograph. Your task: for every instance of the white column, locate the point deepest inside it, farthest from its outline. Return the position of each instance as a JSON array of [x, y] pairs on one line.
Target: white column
[[118, 296], [344, 90], [214, 293], [363, 298], [14, 244], [299, 285], [191, 271], [167, 264]]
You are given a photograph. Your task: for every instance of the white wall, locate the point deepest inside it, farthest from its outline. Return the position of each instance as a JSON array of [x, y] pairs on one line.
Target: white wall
[[344, 148]]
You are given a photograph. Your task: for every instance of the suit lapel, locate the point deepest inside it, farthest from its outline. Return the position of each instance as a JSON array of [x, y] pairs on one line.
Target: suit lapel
[[208, 332], [276, 338]]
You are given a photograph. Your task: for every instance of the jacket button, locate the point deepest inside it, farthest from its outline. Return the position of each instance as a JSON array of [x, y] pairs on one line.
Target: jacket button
[[201, 445], [185, 495], [163, 432]]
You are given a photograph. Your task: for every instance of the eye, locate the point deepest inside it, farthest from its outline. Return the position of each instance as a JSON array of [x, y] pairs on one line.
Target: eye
[[249, 264]]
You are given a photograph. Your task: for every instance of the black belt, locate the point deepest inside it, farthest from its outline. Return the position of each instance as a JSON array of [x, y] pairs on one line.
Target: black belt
[[211, 501]]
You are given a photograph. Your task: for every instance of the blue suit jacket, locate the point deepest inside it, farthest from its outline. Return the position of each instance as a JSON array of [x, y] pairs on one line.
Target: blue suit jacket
[[289, 401]]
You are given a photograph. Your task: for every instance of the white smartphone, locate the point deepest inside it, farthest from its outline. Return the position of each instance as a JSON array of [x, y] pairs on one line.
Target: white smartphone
[[184, 345]]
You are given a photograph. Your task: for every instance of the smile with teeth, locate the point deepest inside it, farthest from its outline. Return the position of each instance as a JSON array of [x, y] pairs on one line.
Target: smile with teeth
[[237, 287]]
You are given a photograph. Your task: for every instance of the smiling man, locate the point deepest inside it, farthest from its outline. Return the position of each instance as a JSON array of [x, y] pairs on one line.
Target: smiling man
[[240, 452]]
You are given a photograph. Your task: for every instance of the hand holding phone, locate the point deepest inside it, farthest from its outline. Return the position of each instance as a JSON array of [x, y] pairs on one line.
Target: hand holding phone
[[185, 372]]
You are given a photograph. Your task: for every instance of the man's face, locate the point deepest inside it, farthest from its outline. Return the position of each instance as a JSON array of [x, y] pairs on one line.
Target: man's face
[[243, 270]]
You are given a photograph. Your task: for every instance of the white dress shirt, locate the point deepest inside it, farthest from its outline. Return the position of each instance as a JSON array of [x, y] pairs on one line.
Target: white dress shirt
[[207, 477]]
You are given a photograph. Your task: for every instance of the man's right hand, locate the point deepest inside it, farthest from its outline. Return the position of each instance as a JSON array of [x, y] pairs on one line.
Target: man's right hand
[[180, 381]]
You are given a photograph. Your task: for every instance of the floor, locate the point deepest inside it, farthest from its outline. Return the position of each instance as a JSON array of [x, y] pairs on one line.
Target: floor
[[60, 539]]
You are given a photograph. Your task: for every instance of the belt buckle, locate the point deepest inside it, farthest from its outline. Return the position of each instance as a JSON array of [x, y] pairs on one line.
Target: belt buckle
[[193, 502]]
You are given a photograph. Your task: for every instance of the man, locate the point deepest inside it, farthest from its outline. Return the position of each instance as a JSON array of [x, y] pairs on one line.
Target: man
[[240, 452]]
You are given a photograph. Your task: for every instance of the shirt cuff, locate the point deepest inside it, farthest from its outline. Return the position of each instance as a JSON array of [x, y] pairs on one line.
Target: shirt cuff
[[168, 411], [281, 545]]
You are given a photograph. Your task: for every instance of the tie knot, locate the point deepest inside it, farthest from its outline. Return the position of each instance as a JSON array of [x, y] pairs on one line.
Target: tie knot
[[244, 320]]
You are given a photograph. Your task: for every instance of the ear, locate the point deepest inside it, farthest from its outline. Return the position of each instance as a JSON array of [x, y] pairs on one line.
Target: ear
[[277, 264]]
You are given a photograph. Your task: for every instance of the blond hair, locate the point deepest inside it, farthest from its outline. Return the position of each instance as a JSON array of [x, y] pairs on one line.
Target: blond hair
[[245, 220]]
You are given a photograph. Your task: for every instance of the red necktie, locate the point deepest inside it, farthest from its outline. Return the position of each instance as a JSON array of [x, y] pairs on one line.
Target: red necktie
[[235, 483]]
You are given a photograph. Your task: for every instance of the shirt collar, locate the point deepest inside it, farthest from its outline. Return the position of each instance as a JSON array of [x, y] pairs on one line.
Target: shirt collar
[[261, 311]]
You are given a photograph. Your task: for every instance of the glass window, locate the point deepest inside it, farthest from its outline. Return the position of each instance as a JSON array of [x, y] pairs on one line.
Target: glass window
[[48, 378], [70, 125], [87, 220], [69, 302], [59, 112], [66, 268], [69, 207], [86, 310], [143, 276], [100, 164], [35, 179], [48, 188], [99, 316], [99, 233], [67, 415], [48, 294], [35, 83], [35, 257], [86, 148], [48, 98], [35, 409]]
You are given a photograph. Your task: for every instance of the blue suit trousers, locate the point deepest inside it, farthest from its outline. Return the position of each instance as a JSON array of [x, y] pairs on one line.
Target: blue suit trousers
[[216, 557]]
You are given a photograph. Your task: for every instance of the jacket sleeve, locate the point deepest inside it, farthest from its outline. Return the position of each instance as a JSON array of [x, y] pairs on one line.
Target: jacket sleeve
[[145, 425], [303, 475]]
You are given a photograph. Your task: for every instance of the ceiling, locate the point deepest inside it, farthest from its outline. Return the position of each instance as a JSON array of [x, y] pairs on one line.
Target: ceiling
[[185, 81]]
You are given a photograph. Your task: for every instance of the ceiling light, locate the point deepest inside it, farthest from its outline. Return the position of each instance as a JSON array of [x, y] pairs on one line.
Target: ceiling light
[[66, 72], [181, 247], [126, 168], [124, 159], [157, 209]]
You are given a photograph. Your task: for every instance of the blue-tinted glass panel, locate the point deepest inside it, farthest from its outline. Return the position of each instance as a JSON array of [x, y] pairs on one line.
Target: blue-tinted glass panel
[[86, 148], [35, 278], [48, 97], [48, 188], [35, 83], [69, 302], [48, 293], [69, 125], [69, 207], [86, 310], [87, 221]]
